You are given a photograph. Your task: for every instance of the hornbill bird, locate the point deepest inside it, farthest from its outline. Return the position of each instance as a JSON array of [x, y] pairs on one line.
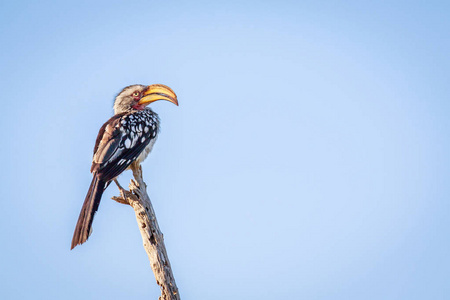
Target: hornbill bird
[[125, 138]]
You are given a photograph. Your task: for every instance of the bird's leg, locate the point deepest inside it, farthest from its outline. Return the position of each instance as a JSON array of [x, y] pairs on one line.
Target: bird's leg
[[124, 194], [118, 185]]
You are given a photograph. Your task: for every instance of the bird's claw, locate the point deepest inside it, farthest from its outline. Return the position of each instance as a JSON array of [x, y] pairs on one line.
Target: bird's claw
[[125, 195]]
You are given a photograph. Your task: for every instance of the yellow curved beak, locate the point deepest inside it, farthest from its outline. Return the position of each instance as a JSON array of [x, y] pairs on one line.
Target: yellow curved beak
[[157, 92]]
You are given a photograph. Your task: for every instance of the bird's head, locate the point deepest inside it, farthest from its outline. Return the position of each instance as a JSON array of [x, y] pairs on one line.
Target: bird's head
[[138, 96]]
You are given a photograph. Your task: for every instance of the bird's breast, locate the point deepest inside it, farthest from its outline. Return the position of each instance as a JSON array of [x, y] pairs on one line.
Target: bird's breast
[[146, 151], [142, 128]]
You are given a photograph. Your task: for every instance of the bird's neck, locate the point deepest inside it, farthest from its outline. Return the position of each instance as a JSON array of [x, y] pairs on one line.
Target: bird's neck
[[118, 110]]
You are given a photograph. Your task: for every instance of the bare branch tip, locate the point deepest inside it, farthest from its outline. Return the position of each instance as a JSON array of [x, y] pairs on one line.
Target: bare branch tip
[[121, 200]]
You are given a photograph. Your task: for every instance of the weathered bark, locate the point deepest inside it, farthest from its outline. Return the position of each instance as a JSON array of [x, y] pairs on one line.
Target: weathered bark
[[152, 236]]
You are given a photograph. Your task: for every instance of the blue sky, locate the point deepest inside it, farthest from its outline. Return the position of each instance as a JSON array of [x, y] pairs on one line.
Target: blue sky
[[308, 158]]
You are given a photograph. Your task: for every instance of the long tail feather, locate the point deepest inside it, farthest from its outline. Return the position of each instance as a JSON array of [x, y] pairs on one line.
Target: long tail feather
[[90, 206]]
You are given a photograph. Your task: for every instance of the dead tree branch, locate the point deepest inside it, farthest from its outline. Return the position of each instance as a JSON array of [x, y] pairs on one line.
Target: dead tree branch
[[152, 236]]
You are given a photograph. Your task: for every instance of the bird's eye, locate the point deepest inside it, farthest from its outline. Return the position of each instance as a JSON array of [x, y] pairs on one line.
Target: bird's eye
[[135, 94]]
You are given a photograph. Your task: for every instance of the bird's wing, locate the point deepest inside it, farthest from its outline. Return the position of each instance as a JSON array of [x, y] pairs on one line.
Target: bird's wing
[[120, 141], [109, 133]]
